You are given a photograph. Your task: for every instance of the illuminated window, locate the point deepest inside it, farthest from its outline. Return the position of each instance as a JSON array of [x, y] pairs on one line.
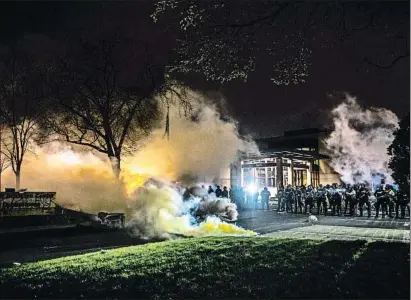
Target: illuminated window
[[260, 176]]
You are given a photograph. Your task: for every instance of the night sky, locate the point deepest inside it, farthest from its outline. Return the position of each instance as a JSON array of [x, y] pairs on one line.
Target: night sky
[[261, 107]]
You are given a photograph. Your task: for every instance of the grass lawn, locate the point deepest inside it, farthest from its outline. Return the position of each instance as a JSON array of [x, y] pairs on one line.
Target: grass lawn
[[220, 267]]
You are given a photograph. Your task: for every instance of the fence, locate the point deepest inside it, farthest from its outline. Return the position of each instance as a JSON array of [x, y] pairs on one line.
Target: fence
[[27, 203]]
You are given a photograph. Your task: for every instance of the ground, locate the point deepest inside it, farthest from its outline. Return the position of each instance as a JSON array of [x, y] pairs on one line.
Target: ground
[[341, 257], [25, 245], [220, 267], [272, 223]]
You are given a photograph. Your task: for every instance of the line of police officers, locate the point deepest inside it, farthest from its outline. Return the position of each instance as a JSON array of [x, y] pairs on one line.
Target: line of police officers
[[297, 199]]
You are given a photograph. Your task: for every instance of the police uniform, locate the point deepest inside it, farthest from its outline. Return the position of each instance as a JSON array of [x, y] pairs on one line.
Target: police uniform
[[218, 192], [382, 201], [363, 198], [391, 200], [289, 199], [321, 200], [224, 193], [280, 198], [402, 202], [336, 201], [349, 201], [299, 200], [309, 199], [255, 199], [240, 198], [265, 197]]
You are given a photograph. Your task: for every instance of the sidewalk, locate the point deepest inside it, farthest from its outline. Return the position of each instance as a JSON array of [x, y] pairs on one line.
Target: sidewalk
[[271, 221], [325, 232]]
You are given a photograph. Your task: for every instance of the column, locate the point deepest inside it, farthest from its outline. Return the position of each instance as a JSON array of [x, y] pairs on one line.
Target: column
[[291, 173], [235, 174], [279, 172], [309, 173], [242, 176]]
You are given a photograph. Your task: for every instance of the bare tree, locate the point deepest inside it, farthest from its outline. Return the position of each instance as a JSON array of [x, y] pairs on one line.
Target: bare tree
[[20, 108], [228, 39], [102, 93], [4, 161]]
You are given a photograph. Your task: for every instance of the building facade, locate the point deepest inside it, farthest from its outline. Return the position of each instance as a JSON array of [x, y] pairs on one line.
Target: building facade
[[296, 158]]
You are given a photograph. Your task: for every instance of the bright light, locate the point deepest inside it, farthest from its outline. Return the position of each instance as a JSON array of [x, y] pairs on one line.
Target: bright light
[[252, 188], [69, 158]]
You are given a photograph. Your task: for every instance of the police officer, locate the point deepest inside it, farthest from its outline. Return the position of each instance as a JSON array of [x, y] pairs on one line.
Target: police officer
[[321, 200], [382, 201], [224, 193], [309, 199], [402, 202], [289, 199], [280, 198], [255, 199], [364, 198], [336, 200], [391, 199], [349, 199], [265, 197], [299, 199], [240, 198], [329, 191], [218, 192], [232, 193]]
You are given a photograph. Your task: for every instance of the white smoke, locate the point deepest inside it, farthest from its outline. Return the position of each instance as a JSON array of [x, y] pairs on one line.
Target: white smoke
[[209, 204], [222, 208], [358, 145]]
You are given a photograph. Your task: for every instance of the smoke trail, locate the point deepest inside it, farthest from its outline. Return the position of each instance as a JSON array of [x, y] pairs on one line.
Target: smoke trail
[[358, 145], [200, 144]]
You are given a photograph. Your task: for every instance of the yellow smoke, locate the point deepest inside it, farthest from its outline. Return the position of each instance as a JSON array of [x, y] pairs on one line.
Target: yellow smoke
[[215, 227], [84, 180]]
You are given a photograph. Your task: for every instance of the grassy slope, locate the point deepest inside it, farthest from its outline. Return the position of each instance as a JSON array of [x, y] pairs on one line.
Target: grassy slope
[[220, 267]]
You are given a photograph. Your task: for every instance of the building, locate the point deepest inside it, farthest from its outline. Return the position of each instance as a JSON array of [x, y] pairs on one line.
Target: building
[[297, 158]]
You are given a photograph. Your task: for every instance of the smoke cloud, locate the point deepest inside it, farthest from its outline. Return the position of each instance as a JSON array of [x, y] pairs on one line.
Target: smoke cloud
[[200, 144], [358, 145]]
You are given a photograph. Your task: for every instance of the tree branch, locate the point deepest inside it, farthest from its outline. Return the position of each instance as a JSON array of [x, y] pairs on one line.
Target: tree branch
[[388, 66], [270, 16]]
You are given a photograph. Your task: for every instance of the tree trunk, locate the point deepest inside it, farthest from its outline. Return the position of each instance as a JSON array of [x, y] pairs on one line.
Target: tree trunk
[[18, 180], [115, 165]]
